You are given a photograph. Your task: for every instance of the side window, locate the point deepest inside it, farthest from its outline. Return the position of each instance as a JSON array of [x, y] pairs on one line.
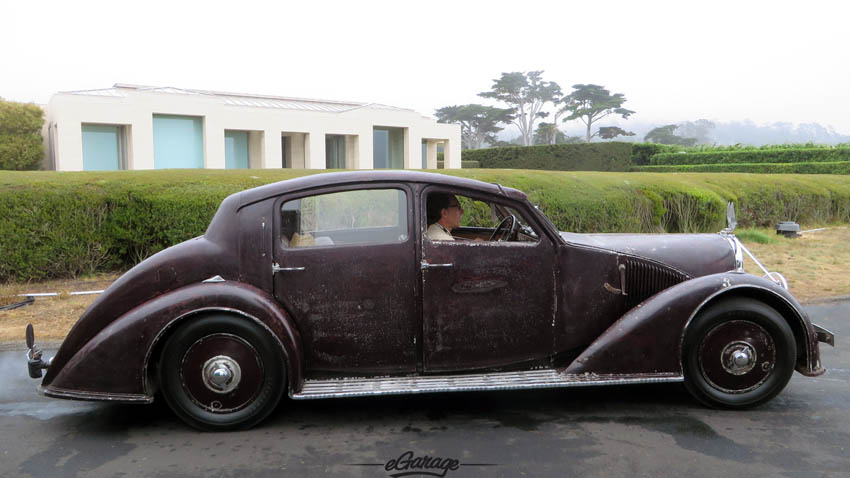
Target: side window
[[366, 216], [470, 218]]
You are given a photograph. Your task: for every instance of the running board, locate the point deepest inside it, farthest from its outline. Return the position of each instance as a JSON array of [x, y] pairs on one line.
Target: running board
[[546, 378]]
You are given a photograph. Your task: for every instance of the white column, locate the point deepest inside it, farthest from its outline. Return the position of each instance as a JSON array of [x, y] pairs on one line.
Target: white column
[[366, 155], [141, 142], [69, 136], [213, 143], [451, 154], [256, 151], [352, 151], [272, 154], [413, 149], [315, 157], [431, 154]]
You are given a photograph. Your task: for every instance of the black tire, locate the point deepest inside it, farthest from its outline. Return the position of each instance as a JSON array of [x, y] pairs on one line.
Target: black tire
[[221, 372], [738, 354]]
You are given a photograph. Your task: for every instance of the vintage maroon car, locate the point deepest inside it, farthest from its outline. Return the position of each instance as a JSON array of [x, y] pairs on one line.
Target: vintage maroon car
[[328, 286]]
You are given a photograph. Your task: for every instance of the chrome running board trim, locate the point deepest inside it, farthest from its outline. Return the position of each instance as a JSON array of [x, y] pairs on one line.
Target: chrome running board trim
[[546, 378]]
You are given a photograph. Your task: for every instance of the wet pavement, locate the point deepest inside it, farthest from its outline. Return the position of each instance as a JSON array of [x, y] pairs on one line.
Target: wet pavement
[[653, 430]]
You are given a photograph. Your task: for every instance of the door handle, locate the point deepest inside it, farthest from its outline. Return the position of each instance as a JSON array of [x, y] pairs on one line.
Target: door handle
[[276, 268], [425, 265]]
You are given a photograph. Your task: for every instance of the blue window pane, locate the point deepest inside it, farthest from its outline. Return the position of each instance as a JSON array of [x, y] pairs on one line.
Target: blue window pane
[[101, 148], [380, 149], [178, 142], [236, 150]]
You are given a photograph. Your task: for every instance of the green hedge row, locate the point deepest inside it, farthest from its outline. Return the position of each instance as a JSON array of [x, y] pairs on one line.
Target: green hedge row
[[55, 225], [838, 167], [610, 156], [778, 155]]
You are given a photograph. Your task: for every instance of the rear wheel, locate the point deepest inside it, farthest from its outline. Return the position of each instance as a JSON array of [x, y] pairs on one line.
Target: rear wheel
[[221, 372], [738, 354]]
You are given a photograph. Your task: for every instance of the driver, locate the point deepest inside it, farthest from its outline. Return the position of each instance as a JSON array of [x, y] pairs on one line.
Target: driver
[[444, 214]]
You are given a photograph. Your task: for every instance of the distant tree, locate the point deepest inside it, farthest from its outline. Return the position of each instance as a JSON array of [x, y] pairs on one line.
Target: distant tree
[[666, 135], [526, 94], [609, 132], [591, 103], [547, 133], [699, 129], [478, 123], [20, 136]]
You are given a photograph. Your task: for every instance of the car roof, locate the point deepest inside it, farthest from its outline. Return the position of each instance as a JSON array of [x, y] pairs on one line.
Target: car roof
[[361, 177]]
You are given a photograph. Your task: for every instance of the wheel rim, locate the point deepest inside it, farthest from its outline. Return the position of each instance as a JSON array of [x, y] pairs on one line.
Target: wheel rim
[[221, 373], [737, 356]]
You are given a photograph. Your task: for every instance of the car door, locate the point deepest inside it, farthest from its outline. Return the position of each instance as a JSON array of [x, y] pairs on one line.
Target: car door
[[486, 304], [346, 272]]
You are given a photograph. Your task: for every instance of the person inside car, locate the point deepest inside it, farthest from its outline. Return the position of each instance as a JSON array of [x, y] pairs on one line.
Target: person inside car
[[444, 214]]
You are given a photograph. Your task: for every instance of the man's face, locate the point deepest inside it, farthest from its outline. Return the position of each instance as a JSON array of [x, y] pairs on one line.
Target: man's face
[[452, 214]]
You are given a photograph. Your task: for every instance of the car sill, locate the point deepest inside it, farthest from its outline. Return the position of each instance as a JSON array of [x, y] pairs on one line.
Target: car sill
[[546, 378]]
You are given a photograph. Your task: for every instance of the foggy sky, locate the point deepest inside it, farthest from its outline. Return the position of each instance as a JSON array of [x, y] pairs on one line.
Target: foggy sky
[[675, 61]]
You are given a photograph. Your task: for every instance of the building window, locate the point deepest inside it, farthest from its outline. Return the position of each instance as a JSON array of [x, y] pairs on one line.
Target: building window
[[178, 141], [236, 155], [388, 148], [103, 147], [334, 151]]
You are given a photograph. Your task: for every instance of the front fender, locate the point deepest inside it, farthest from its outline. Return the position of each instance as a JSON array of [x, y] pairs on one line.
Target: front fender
[[648, 339], [113, 364]]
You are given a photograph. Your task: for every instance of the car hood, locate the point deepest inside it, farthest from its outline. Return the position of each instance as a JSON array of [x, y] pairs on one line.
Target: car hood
[[694, 254]]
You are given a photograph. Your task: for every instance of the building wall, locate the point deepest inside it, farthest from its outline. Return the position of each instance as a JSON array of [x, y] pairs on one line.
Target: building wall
[[67, 112]]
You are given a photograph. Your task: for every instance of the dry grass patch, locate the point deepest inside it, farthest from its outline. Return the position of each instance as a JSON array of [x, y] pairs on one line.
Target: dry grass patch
[[52, 317], [815, 264]]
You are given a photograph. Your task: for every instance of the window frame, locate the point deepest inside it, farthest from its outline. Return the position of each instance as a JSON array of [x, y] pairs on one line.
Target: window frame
[[517, 206], [298, 195]]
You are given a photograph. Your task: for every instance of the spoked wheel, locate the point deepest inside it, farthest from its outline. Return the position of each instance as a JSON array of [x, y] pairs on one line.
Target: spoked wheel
[[738, 354], [221, 373]]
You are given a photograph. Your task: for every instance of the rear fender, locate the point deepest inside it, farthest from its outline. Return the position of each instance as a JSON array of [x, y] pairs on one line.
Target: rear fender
[[648, 339], [114, 365]]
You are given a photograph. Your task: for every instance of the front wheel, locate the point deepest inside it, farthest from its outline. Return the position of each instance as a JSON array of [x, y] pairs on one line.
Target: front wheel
[[738, 354], [221, 372]]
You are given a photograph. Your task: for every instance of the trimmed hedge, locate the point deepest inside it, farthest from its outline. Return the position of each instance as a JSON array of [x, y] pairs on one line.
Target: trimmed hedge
[[66, 224], [839, 167], [610, 156], [777, 155]]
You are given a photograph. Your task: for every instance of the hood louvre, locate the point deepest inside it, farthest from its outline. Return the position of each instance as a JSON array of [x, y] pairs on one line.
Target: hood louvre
[[645, 279]]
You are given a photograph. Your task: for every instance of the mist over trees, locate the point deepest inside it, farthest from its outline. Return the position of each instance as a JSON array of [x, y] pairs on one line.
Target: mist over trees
[[542, 113], [529, 99]]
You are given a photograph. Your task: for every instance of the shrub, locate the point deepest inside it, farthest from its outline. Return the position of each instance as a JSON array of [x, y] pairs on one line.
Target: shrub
[[773, 155], [609, 156], [21, 147], [57, 224], [839, 167]]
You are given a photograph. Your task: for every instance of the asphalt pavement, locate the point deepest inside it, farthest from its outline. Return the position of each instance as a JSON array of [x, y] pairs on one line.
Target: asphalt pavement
[[653, 430]]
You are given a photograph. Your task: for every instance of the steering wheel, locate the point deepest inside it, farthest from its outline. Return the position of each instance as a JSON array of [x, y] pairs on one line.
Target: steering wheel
[[505, 230]]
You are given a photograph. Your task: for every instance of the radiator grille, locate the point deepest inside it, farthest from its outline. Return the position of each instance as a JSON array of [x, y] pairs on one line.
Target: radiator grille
[[643, 280]]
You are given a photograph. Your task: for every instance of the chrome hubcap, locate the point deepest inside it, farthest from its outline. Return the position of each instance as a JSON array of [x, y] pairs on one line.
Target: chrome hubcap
[[221, 374], [738, 358]]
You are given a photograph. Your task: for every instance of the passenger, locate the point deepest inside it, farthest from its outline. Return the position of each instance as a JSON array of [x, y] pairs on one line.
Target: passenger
[[444, 214]]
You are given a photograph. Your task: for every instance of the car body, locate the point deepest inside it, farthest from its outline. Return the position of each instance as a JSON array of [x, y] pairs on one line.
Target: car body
[[327, 286]]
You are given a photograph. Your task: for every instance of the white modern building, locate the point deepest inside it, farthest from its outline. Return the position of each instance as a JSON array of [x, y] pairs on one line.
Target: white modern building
[[141, 127]]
